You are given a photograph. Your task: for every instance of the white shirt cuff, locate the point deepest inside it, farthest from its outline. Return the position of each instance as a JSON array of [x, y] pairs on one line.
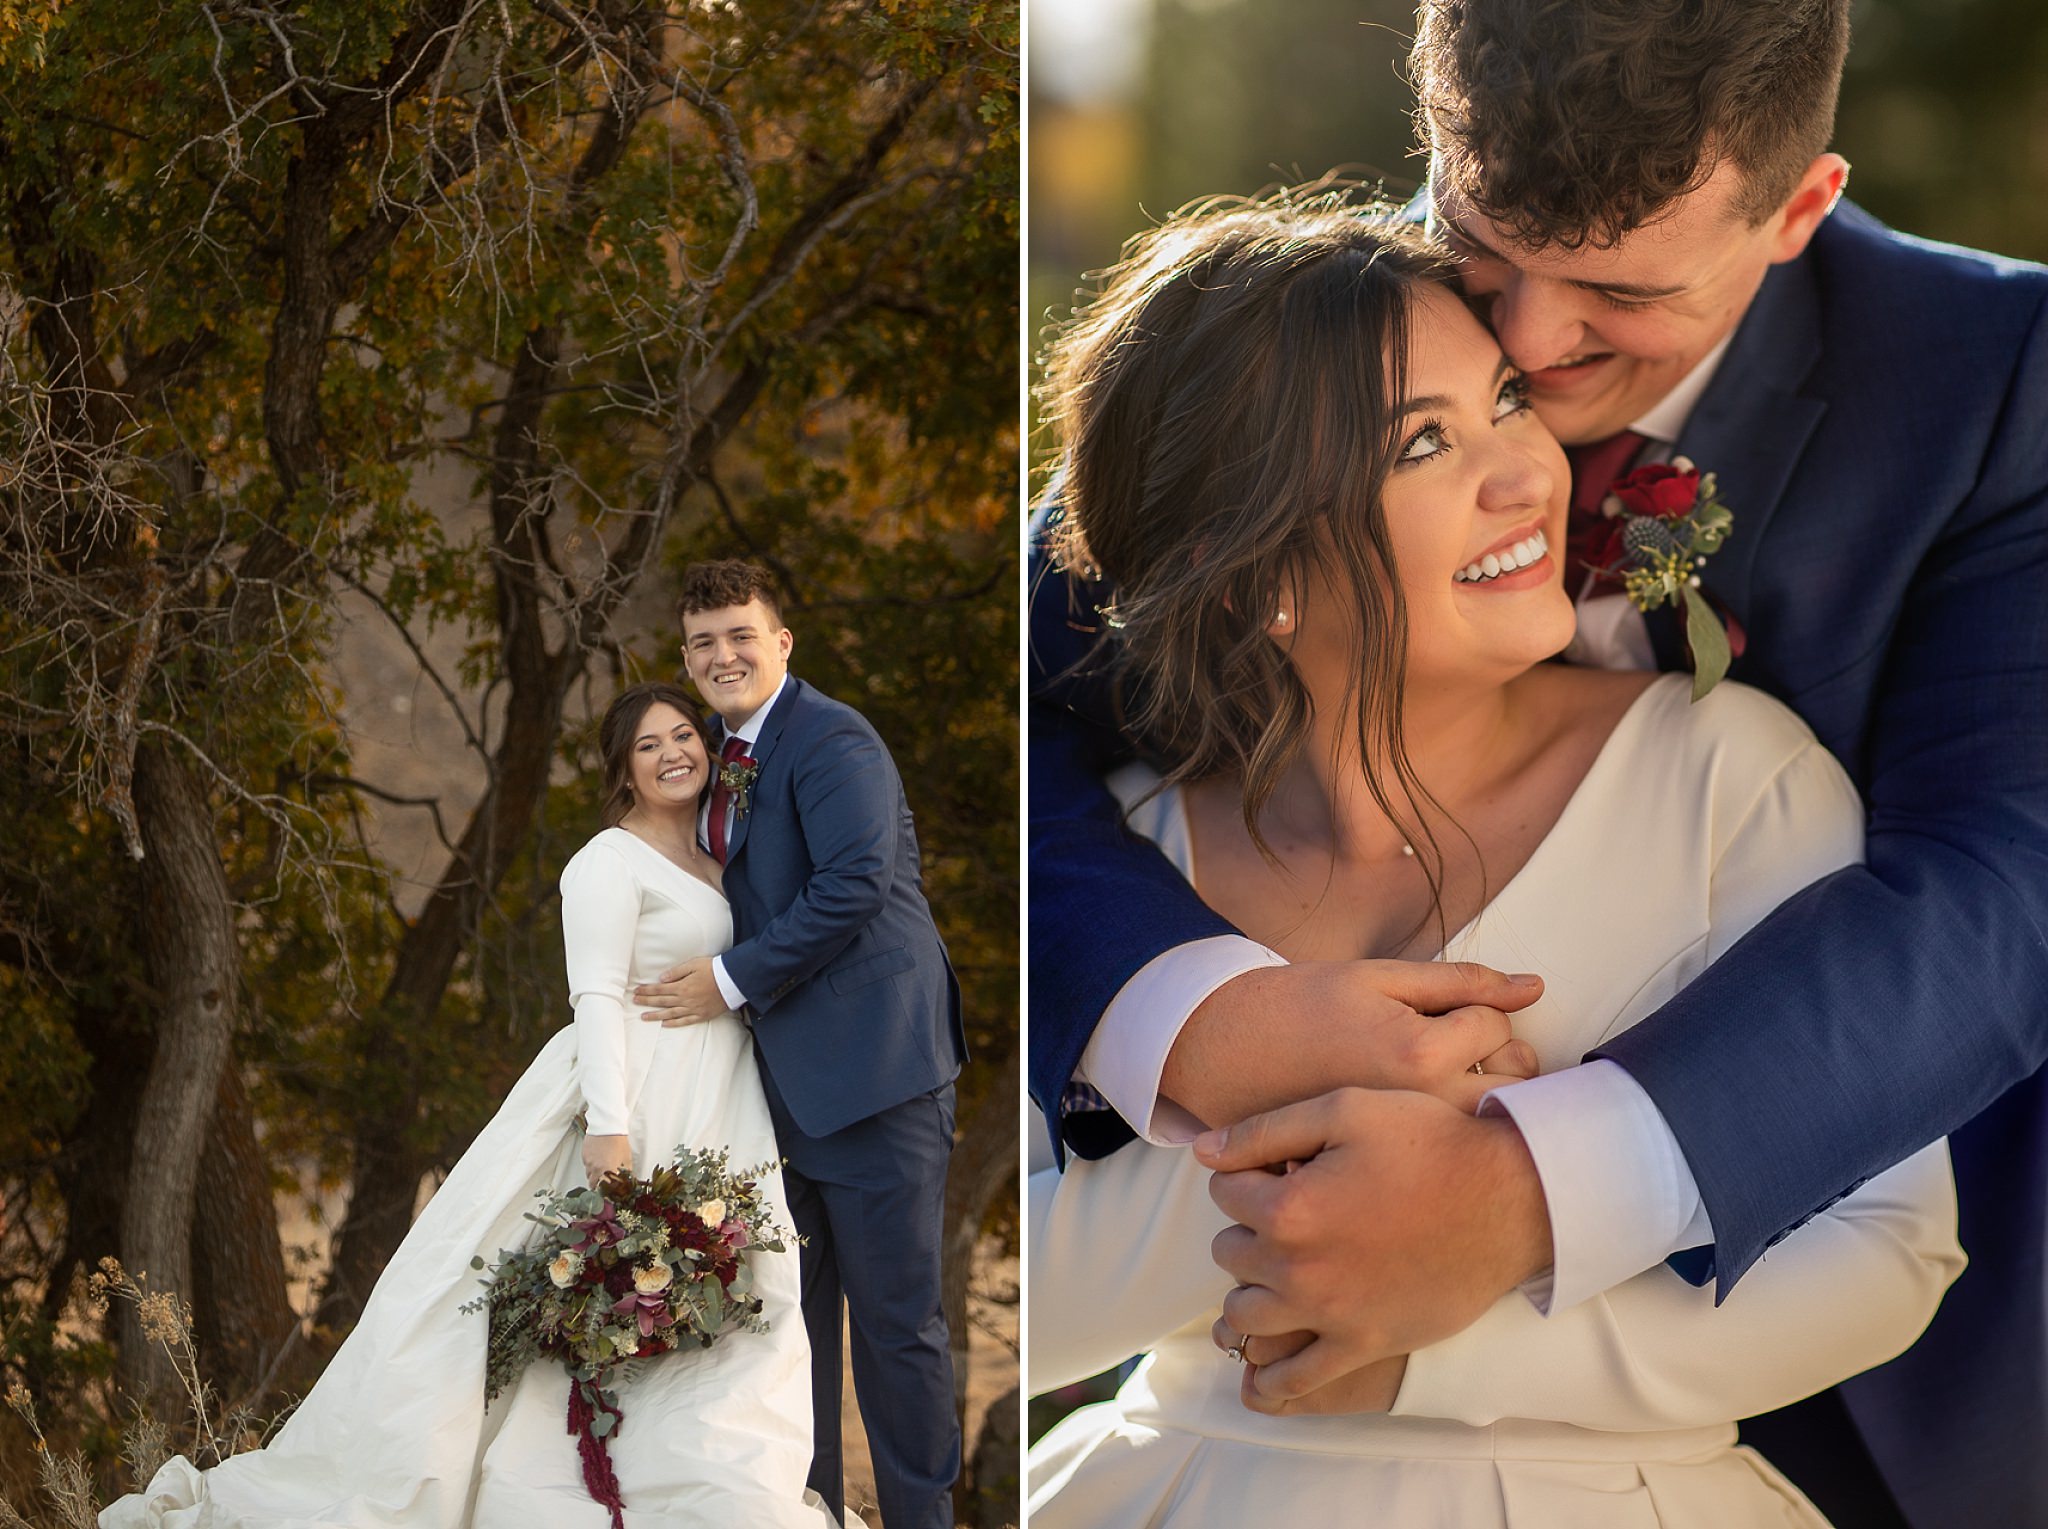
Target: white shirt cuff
[[1621, 1197], [1127, 1053], [734, 998]]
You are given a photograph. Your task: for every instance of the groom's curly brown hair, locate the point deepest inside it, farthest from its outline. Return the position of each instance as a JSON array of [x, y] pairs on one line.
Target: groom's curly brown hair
[[1573, 122], [725, 582]]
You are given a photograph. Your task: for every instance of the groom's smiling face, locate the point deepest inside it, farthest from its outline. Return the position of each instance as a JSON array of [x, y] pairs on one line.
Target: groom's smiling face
[[1603, 335], [737, 655]]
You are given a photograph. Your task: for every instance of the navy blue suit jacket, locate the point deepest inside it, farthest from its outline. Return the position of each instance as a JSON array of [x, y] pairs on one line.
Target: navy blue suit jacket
[[1880, 428], [854, 1003]]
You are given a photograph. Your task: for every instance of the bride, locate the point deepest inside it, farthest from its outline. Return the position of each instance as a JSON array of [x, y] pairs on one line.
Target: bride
[[1299, 461], [396, 1432]]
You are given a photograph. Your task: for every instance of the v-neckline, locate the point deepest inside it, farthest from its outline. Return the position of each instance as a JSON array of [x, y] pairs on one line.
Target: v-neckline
[[687, 875], [1610, 750]]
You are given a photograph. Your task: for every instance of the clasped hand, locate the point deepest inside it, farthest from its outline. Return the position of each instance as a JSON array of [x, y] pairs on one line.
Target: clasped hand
[[1373, 1221], [1402, 1220], [684, 995]]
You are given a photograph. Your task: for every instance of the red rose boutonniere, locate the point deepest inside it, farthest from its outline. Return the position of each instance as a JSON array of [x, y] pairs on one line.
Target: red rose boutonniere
[[738, 775], [1667, 523]]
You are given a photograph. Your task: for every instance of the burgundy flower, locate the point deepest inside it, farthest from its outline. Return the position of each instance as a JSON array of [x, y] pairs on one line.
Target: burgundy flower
[[600, 1230], [1659, 489], [1603, 547], [599, 1317], [652, 1311]]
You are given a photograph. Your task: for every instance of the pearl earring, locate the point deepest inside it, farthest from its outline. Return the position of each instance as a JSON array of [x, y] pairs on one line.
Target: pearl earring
[[1280, 621]]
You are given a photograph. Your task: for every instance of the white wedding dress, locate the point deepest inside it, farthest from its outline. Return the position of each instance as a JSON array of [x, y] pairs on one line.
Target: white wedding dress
[[396, 1433], [1693, 823]]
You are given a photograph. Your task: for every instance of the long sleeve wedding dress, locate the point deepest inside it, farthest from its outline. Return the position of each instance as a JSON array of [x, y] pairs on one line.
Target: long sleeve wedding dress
[[1618, 1413], [396, 1432]]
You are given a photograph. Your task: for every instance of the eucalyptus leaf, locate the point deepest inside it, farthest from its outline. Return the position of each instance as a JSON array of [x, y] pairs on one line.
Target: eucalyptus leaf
[[1709, 640]]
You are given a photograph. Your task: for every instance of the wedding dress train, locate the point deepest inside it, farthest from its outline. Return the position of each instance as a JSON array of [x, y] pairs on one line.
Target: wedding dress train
[[396, 1432]]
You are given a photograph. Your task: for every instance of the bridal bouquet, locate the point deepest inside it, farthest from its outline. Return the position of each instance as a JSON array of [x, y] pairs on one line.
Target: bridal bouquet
[[620, 1273]]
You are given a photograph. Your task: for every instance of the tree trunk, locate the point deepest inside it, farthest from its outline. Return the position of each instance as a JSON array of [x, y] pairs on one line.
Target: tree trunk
[[984, 1161], [241, 1303], [388, 1157], [992, 1469], [387, 1163], [188, 943], [92, 1171]]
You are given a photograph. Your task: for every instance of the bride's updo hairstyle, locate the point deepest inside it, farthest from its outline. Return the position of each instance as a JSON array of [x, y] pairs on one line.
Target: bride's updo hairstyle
[[1223, 404], [621, 725]]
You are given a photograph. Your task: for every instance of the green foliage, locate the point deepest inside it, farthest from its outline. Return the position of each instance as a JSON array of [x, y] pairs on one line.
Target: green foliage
[[261, 335]]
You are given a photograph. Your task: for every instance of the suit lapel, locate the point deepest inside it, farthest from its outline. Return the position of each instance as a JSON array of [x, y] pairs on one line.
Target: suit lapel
[[763, 746], [1750, 428]]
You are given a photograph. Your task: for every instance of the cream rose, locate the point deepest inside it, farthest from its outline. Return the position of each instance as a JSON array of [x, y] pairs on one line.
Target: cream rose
[[564, 1269], [649, 1278], [711, 1212]]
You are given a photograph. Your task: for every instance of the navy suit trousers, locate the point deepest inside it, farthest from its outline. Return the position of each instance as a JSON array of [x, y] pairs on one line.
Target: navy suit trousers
[[869, 1200]]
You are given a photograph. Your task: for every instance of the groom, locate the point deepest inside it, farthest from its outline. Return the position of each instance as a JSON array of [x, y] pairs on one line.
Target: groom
[[1647, 215], [856, 1022]]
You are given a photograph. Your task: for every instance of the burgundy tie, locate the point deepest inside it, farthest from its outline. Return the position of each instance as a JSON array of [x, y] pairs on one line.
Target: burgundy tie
[[1589, 539], [721, 795]]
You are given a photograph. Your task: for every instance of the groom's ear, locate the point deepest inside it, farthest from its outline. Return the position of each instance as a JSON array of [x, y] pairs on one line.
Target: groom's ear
[[785, 640], [1793, 225]]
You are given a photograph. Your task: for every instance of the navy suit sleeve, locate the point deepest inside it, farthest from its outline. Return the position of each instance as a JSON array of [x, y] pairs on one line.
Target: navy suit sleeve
[[1103, 902], [1890, 1003], [848, 811]]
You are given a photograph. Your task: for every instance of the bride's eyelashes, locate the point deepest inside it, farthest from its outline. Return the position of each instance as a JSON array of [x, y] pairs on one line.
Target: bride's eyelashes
[[680, 735], [1430, 435], [1431, 440]]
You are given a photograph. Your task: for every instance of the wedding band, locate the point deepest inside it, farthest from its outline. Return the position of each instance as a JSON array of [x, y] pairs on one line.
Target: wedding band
[[1479, 1067]]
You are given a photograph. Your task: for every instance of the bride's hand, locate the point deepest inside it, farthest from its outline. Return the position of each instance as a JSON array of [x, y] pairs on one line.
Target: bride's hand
[[1512, 1062], [1370, 1388], [604, 1156]]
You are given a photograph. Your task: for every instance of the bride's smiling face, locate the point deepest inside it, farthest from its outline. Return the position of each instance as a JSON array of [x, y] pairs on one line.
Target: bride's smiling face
[[669, 764], [1474, 507]]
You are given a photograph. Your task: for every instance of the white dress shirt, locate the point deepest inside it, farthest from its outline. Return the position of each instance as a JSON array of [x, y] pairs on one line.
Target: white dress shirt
[[1621, 1195], [747, 732]]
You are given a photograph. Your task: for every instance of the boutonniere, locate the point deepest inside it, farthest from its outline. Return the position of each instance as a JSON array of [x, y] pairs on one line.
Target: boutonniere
[[737, 776], [1667, 522]]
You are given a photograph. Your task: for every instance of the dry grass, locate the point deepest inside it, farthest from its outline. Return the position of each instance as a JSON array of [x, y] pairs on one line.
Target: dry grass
[[59, 1492]]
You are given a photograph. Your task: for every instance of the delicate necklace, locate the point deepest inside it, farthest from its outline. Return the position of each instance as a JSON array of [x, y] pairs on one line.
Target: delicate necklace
[[682, 851]]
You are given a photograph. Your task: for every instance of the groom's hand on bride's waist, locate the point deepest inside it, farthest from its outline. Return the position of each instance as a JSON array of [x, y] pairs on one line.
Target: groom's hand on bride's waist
[[1405, 1219], [1280, 1033], [685, 995]]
